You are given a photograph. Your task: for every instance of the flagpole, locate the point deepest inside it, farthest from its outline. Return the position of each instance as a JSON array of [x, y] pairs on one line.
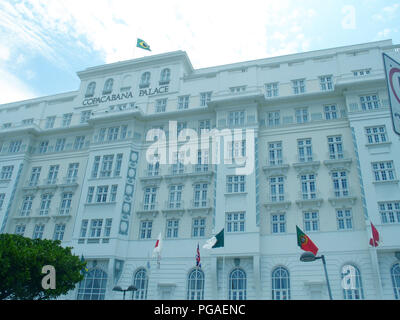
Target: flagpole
[[223, 278], [376, 262]]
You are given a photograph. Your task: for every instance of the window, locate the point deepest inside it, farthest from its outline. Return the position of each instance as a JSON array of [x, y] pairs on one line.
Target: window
[[65, 207], [275, 153], [101, 194], [140, 281], [280, 284], [26, 206], [15, 146], [108, 86], [161, 105], [2, 196], [235, 184], [106, 166], [153, 169], [198, 227], [237, 149], [6, 172], [237, 285], [72, 173], [53, 173], [60, 145], [395, 273], [124, 131], [236, 118], [362, 73], [113, 193], [274, 118], [335, 148], [178, 167], [93, 286], [204, 125], [38, 231], [165, 76], [20, 229], [145, 80], [50, 122], [27, 122], [383, 171], [175, 197], [35, 174], [344, 219], [200, 195], [183, 102], [305, 150], [59, 230], [90, 194], [84, 226], [237, 89], [340, 185], [369, 102], [389, 212], [202, 161], [326, 83], [145, 229], [235, 222], [45, 204], [85, 116], [112, 134], [272, 90], [205, 97], [299, 86], [102, 134], [118, 164], [308, 187], [107, 228], [96, 165], [278, 223], [43, 146], [150, 198], [195, 286], [330, 112], [357, 293], [180, 127], [90, 90], [7, 125], [172, 228], [302, 115], [79, 142], [276, 187], [95, 228], [376, 135], [311, 221]]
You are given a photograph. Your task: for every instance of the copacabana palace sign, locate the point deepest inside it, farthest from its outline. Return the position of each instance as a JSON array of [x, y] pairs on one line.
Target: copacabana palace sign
[[123, 96]]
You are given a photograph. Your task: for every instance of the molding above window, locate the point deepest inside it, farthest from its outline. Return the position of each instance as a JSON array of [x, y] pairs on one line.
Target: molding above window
[[343, 202], [307, 167], [310, 204], [278, 170], [338, 164], [278, 206]]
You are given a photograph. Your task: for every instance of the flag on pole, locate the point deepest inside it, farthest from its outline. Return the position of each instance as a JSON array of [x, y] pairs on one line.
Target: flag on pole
[[157, 250], [305, 243], [374, 241], [85, 268], [215, 242], [198, 264], [142, 44]]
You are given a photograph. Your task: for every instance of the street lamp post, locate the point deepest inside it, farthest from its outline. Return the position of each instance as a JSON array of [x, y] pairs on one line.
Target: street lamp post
[[130, 288], [310, 257]]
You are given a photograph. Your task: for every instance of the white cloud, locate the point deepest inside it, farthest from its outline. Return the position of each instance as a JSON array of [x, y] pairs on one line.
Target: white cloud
[[13, 89]]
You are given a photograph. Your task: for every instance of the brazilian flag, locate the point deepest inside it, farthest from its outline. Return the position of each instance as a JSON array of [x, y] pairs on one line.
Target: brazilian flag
[[142, 44]]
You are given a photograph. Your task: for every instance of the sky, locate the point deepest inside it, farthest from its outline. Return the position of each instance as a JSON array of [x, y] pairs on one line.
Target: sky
[[43, 43]]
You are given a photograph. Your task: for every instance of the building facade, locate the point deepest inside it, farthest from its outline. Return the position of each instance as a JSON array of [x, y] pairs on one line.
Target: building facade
[[304, 140]]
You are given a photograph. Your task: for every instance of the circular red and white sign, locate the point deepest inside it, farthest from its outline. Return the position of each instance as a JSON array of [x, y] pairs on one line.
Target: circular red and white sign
[[395, 85]]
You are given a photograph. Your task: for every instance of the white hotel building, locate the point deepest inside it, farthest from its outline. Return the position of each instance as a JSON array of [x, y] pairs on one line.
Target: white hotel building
[[73, 167]]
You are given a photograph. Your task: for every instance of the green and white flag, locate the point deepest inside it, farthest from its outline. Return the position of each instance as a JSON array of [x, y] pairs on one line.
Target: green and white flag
[[215, 242]]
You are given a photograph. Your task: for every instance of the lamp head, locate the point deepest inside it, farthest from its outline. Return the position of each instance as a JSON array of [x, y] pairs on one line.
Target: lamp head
[[117, 288], [132, 288], [308, 257]]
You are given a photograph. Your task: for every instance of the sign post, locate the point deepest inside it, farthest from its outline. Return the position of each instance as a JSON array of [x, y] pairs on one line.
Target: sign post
[[392, 70]]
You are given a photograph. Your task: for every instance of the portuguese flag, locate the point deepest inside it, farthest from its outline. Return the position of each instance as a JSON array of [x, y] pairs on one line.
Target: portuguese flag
[[305, 243]]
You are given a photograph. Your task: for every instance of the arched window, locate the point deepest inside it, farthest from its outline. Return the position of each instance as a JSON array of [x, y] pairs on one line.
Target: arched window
[[357, 292], [90, 89], [141, 282], [145, 80], [195, 288], [280, 284], [108, 86], [237, 285], [395, 272], [93, 286], [165, 76]]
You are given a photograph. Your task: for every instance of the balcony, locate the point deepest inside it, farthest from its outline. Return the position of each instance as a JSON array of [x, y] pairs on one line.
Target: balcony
[[148, 210], [304, 166], [174, 207], [200, 206], [311, 200], [152, 176], [342, 198], [278, 202], [276, 168], [338, 161]]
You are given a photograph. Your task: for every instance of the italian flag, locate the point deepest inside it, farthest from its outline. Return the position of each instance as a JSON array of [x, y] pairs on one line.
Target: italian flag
[[305, 243]]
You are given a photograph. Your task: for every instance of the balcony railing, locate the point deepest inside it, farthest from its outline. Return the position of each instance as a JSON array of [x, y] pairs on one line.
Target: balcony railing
[[201, 203], [169, 205]]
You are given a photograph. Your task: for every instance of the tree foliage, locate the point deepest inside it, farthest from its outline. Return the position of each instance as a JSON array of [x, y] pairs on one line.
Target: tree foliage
[[21, 263]]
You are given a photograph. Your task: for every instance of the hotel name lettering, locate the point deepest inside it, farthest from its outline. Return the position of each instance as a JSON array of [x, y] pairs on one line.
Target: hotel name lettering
[[123, 96]]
